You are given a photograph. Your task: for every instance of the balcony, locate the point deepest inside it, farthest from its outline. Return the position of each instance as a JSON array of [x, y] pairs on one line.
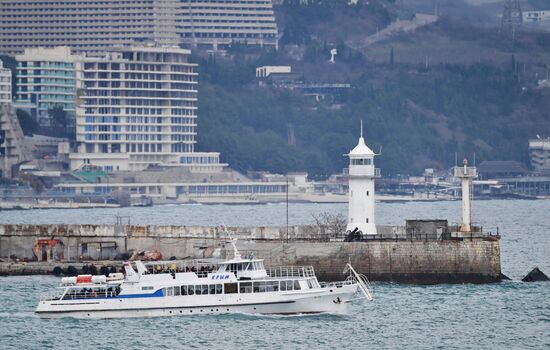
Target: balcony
[[362, 170], [460, 171]]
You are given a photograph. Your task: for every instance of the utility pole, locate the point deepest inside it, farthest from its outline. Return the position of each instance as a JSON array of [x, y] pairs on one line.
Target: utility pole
[[287, 232], [512, 18]]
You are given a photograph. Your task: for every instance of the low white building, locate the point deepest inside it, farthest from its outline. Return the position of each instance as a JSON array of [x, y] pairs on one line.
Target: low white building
[[266, 71], [536, 16]]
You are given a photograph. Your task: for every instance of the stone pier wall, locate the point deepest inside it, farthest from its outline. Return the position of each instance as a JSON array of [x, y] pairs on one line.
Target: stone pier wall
[[414, 261]]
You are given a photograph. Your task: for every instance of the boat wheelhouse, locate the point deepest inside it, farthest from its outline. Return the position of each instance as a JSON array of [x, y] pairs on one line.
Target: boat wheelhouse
[[239, 285]]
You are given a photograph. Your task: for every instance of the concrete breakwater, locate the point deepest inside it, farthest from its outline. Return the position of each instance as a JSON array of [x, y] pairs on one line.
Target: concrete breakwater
[[393, 255]]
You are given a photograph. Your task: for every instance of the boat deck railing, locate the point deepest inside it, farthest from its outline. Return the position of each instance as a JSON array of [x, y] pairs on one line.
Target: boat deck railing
[[50, 296], [338, 284], [291, 271], [79, 295], [201, 268]]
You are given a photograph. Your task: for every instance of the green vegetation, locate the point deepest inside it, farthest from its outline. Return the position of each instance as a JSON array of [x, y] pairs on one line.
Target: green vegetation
[[27, 122], [422, 96]]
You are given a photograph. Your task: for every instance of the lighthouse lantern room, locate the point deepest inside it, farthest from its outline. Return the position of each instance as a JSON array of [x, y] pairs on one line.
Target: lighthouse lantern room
[[362, 174]]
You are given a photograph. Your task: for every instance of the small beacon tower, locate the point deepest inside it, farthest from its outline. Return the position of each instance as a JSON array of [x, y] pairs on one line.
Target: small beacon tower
[[466, 174], [362, 174]]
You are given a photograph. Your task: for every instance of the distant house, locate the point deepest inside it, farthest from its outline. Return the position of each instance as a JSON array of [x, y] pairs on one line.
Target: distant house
[[266, 71], [536, 16], [491, 169]]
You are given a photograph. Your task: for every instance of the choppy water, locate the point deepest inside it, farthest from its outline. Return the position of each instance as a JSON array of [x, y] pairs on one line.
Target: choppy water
[[506, 315]]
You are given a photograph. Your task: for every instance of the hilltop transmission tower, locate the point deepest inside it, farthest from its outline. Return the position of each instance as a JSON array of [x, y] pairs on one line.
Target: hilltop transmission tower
[[512, 18]]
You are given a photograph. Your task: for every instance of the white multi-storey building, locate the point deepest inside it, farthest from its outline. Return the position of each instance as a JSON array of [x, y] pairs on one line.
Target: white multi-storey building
[[539, 152], [85, 25], [5, 84], [138, 107], [48, 78]]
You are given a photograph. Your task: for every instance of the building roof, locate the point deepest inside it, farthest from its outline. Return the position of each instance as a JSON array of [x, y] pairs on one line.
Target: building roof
[[361, 149], [501, 167]]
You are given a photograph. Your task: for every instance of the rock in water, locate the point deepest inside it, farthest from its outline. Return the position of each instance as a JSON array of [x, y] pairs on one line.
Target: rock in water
[[536, 275]]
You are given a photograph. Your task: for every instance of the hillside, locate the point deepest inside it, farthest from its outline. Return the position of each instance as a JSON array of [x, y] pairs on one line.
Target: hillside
[[448, 87]]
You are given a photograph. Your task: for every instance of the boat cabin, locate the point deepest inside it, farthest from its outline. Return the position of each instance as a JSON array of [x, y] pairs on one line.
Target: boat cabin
[[244, 269]]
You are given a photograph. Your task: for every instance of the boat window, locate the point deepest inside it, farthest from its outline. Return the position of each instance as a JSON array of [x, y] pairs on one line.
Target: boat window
[[219, 289], [183, 290], [212, 289], [272, 286], [260, 265], [286, 285], [245, 287], [147, 288], [296, 285], [205, 289], [176, 291], [230, 288], [190, 290], [168, 292], [198, 290], [259, 287], [309, 284]]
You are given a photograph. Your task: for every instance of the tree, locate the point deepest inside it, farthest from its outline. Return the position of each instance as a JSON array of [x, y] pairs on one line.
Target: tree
[[59, 117], [27, 123]]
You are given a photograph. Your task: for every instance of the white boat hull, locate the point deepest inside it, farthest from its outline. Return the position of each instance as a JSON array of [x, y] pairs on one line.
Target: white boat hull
[[319, 300]]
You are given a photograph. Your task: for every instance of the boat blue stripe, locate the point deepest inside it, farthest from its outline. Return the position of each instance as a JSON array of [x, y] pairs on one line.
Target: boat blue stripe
[[156, 294]]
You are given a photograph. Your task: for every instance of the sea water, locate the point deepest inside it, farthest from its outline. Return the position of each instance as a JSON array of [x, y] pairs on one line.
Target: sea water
[[511, 314]]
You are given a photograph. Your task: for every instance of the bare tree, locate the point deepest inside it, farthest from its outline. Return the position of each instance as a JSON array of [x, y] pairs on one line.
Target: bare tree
[[329, 225]]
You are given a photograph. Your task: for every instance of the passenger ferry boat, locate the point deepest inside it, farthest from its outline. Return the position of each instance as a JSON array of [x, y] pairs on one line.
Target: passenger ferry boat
[[239, 285]]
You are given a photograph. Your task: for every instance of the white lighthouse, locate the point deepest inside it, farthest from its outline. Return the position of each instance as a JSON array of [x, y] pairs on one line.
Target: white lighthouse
[[362, 174], [466, 174]]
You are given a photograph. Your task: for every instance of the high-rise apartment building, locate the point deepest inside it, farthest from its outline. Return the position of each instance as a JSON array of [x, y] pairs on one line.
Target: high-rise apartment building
[[93, 25], [85, 25], [222, 22], [5, 84], [137, 107], [48, 78]]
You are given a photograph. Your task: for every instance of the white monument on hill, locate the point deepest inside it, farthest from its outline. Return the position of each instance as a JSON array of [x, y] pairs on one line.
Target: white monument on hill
[[362, 174]]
